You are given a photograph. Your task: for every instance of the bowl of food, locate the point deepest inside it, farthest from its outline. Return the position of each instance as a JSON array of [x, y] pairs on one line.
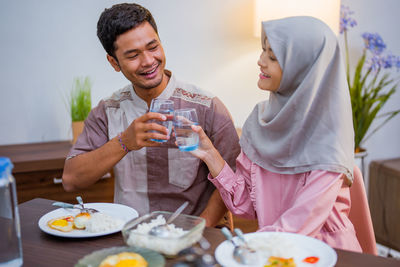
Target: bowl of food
[[185, 231]]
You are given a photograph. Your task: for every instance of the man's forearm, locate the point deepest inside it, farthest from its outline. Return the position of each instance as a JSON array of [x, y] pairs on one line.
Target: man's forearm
[[86, 169], [214, 210]]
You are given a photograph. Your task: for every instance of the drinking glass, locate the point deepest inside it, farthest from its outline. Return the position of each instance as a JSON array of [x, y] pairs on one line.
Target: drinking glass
[[186, 138], [166, 107]]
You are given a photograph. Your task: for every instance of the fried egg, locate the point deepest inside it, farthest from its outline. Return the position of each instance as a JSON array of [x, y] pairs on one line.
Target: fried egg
[[64, 223], [124, 259], [81, 219]]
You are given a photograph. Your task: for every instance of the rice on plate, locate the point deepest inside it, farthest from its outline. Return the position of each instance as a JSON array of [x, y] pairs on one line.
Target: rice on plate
[[100, 222]]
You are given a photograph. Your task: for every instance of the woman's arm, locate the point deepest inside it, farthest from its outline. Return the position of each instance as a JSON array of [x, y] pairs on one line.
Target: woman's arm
[[234, 188]]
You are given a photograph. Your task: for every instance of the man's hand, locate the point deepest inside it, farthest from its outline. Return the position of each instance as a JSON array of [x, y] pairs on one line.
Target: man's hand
[[138, 134]]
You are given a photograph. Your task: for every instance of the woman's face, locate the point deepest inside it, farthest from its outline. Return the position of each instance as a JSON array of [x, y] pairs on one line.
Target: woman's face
[[271, 72]]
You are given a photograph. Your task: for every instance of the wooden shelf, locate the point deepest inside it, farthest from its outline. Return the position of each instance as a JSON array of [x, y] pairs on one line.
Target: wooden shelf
[[36, 156], [384, 201], [38, 170]]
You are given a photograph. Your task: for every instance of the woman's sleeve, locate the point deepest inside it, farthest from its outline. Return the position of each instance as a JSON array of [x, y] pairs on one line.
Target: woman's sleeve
[[235, 187], [312, 205]]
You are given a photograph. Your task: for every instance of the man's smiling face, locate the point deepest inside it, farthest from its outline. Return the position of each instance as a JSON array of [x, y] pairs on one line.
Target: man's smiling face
[[140, 57]]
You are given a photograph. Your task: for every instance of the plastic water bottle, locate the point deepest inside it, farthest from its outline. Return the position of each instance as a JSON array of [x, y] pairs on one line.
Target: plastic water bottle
[[10, 233]]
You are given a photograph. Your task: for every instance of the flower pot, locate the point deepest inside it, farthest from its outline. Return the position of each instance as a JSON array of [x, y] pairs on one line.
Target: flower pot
[[359, 160], [77, 128]]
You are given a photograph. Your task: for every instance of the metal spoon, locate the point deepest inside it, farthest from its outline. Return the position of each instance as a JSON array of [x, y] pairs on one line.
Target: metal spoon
[[71, 206], [238, 252], [240, 234], [162, 229], [83, 209], [252, 253]]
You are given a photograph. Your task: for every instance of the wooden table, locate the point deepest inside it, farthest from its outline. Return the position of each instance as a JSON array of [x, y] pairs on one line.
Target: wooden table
[[41, 249]]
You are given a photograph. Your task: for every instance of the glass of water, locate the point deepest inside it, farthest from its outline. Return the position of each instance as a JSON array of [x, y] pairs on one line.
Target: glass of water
[[166, 107], [186, 138]]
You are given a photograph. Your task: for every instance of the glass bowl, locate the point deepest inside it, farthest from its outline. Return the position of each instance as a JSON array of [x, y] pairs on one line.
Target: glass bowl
[[186, 230]]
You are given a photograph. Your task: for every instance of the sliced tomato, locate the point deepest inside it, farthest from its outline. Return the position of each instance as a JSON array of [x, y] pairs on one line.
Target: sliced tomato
[[69, 218], [311, 259]]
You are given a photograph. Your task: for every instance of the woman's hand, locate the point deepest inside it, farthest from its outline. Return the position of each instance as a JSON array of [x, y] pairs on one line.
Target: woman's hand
[[207, 152], [205, 145]]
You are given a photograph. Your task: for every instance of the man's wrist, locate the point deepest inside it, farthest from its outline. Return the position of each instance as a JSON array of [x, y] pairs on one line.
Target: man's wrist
[[121, 143]]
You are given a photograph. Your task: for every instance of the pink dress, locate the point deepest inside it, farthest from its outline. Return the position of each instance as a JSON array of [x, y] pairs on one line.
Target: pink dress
[[315, 203]]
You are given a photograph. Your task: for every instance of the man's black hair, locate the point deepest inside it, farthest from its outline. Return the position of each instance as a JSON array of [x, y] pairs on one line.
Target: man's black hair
[[119, 19]]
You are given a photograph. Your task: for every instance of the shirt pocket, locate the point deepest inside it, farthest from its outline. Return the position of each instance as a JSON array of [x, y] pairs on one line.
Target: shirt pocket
[[131, 172], [183, 168]]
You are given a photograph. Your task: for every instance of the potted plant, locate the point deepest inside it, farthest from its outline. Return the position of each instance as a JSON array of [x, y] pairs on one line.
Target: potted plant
[[371, 85], [80, 104]]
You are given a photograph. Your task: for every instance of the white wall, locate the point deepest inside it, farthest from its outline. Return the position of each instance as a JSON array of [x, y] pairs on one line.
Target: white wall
[[46, 43]]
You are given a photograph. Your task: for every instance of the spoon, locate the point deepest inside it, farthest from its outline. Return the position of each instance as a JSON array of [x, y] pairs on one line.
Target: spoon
[[83, 209], [162, 229], [252, 252], [237, 250], [241, 253], [239, 233], [71, 206]]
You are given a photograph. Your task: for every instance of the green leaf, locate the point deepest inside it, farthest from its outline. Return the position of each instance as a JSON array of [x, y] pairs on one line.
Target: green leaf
[[80, 99], [369, 93]]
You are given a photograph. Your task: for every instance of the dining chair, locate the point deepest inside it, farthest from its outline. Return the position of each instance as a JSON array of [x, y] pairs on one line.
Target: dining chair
[[226, 221], [360, 214]]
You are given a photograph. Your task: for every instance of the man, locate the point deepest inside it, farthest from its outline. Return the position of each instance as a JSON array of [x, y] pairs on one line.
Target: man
[[149, 175]]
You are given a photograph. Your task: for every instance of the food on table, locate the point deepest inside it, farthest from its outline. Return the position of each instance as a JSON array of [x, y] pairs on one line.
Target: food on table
[[280, 262], [177, 239], [92, 223], [288, 262], [274, 245], [311, 259], [101, 222], [124, 259], [81, 219], [173, 231], [276, 250], [64, 223]]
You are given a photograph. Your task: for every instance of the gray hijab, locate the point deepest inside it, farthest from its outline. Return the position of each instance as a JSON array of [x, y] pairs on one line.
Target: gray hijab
[[307, 123]]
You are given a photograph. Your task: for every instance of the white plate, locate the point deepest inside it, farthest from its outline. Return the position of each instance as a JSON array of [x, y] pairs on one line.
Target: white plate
[[117, 211], [304, 247]]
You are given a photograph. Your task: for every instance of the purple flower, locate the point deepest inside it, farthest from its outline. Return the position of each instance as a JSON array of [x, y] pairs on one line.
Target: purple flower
[[389, 61], [374, 42], [374, 63], [346, 21], [397, 63]]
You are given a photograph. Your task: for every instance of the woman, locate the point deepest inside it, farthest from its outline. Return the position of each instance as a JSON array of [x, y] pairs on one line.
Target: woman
[[295, 167]]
